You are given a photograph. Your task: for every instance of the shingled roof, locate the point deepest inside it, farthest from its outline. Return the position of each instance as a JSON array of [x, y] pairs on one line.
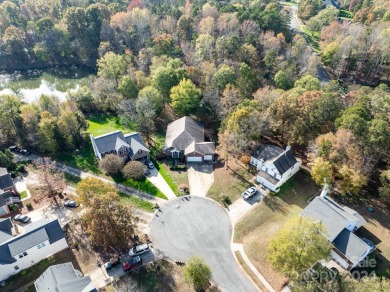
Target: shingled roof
[[204, 148], [63, 278], [285, 161], [5, 179], [182, 132], [36, 233]]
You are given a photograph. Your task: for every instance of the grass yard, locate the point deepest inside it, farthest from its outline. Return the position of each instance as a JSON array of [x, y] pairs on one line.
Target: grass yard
[[172, 177], [377, 230], [231, 182], [257, 228], [143, 185], [137, 202], [23, 195], [313, 38], [100, 124], [34, 272]]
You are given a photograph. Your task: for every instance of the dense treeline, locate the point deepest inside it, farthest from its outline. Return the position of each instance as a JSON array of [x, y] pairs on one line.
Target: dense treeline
[[237, 68]]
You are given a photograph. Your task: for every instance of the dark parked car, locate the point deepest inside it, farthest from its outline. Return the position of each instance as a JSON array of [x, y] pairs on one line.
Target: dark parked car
[[22, 218], [71, 204], [25, 152], [14, 149], [132, 264], [112, 263]]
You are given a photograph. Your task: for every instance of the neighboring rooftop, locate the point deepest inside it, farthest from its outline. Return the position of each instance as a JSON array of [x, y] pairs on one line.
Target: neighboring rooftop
[[334, 217], [35, 233], [115, 140], [351, 246], [285, 161], [3, 197], [205, 148], [5, 229], [63, 278], [182, 132], [267, 152], [5, 179]]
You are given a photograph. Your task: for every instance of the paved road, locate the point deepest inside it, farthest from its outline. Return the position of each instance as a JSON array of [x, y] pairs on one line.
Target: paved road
[[198, 226], [296, 25], [159, 182], [76, 172]]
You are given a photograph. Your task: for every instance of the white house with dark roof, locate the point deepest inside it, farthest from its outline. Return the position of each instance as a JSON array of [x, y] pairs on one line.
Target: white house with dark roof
[[185, 139], [275, 165], [340, 223], [20, 251], [63, 278], [129, 146]]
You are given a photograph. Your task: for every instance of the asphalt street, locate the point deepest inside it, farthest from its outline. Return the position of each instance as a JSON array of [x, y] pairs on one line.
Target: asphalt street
[[199, 226]]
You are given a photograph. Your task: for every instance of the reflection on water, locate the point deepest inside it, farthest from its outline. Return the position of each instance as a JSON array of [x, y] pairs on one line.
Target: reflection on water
[[31, 84]]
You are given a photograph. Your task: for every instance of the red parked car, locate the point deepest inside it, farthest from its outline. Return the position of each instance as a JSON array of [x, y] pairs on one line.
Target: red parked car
[[132, 264]]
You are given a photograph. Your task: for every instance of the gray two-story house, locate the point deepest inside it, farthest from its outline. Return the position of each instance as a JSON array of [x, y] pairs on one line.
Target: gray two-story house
[[129, 146]]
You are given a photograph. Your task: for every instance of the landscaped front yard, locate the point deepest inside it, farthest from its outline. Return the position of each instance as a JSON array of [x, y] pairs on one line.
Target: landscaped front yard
[[262, 223]]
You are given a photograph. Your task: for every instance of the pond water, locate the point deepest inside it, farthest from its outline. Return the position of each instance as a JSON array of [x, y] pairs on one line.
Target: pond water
[[31, 84]]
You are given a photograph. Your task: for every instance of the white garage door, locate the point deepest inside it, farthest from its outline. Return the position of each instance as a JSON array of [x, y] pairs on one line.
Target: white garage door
[[194, 159], [208, 157]]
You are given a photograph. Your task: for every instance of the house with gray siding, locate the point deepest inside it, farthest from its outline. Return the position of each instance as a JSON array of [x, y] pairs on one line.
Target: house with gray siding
[[340, 224], [129, 146]]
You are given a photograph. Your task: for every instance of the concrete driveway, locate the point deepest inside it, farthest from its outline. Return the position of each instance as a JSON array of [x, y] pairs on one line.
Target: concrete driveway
[[199, 226], [200, 178], [159, 182], [240, 207]]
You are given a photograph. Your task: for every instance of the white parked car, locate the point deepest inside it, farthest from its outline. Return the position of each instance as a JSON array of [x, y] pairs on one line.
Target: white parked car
[[138, 250], [249, 193]]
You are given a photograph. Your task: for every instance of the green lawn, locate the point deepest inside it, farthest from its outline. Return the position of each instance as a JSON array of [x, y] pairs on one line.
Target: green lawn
[[23, 195], [137, 202], [142, 185], [166, 175], [313, 38], [100, 124], [31, 274]]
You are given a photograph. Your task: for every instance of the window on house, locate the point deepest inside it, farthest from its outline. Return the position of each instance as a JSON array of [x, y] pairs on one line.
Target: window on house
[[16, 268], [292, 167], [39, 246], [21, 255], [25, 253]]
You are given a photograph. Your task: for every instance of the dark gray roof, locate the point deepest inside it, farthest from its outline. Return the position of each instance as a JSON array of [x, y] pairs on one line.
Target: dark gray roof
[[115, 140], [268, 177], [285, 161], [3, 197], [35, 234], [5, 229], [204, 148], [182, 132], [5, 179], [108, 142], [63, 278], [351, 245], [136, 143], [267, 152], [28, 241], [334, 217]]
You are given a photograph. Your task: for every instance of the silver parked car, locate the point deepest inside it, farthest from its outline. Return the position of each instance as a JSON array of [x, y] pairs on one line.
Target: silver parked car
[[249, 193], [139, 249]]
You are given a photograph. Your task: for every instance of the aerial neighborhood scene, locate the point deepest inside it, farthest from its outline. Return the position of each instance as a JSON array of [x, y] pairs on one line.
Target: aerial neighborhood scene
[[193, 145]]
